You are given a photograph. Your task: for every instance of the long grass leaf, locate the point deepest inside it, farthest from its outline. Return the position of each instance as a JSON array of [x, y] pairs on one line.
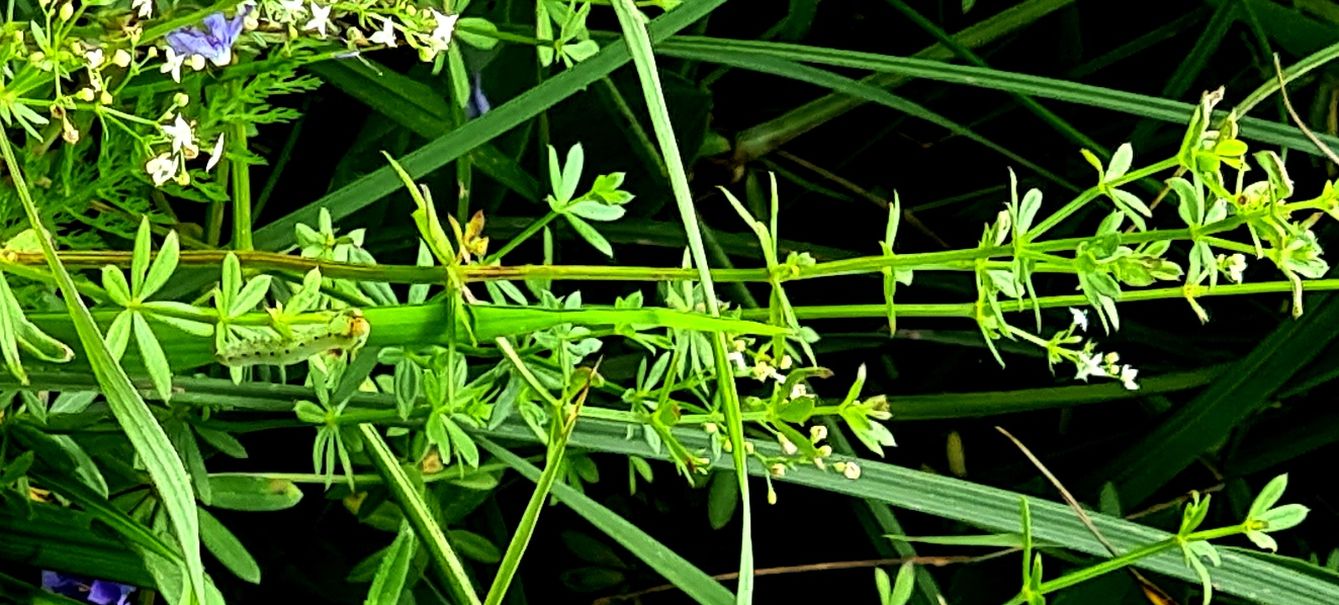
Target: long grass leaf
[[722, 50], [639, 44], [1263, 579], [416, 512], [760, 140], [1207, 419], [694, 582], [151, 443]]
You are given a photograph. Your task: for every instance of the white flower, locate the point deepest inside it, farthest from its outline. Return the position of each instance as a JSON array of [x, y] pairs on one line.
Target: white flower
[[172, 64], [440, 38], [1127, 375], [143, 8], [786, 362], [1080, 318], [94, 57], [386, 35], [320, 19], [183, 138], [850, 470], [787, 447], [216, 154], [738, 358], [778, 470], [1235, 266], [162, 168], [798, 390], [1090, 365], [764, 370], [818, 433]]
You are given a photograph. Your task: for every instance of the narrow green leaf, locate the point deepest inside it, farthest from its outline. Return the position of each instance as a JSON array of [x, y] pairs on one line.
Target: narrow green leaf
[[227, 548], [114, 282], [118, 334], [416, 512], [1268, 497], [394, 569], [253, 493], [631, 23], [139, 260], [694, 582], [588, 233], [9, 342], [164, 265], [155, 361], [902, 587], [150, 442], [250, 295]]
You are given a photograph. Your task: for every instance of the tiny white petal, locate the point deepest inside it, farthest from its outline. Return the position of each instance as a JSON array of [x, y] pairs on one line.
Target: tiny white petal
[[386, 35], [1080, 318], [216, 154], [1090, 365], [320, 19], [1127, 375], [161, 168], [172, 64]]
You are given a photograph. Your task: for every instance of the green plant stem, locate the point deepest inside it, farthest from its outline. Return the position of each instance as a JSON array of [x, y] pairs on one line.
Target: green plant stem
[[412, 274], [639, 46], [240, 172], [1092, 192], [557, 447], [525, 234], [1125, 560]]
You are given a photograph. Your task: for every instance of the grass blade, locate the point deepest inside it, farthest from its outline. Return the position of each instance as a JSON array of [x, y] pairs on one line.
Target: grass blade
[[722, 50], [416, 512], [1203, 422], [678, 571], [1269, 579], [164, 466], [439, 152], [639, 44]]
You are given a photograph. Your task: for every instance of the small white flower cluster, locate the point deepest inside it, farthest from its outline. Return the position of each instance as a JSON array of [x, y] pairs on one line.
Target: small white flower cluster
[[1089, 363], [171, 165], [430, 30], [762, 369]]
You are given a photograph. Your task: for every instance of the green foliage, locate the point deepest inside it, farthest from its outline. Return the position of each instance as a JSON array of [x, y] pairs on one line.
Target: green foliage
[[519, 344]]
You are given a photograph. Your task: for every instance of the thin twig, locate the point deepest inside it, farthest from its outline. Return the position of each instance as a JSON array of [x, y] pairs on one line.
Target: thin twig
[[824, 566]]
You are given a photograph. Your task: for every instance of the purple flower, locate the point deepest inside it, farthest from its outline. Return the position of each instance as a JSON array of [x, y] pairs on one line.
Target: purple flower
[[478, 104], [100, 592], [214, 42]]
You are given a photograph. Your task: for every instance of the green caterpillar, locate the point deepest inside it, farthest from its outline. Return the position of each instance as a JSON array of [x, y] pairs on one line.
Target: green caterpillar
[[339, 335]]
